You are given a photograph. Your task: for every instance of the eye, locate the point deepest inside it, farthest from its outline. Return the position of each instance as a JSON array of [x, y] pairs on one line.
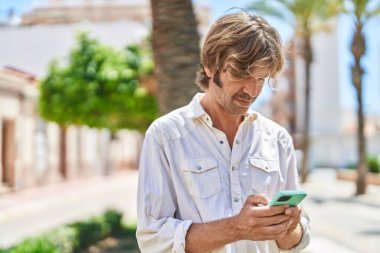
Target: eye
[[261, 80]]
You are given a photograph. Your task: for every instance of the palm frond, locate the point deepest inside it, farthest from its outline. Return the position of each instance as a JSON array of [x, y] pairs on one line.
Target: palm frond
[[374, 12], [266, 8]]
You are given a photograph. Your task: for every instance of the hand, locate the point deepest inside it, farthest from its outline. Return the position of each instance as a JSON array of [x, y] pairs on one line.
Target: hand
[[259, 223], [294, 214], [294, 231]]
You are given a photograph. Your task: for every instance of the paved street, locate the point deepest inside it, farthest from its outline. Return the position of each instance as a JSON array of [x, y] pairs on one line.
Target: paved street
[[33, 211], [341, 223], [337, 215]]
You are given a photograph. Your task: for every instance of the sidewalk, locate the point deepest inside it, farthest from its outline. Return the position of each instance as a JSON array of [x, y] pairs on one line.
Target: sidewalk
[[36, 210], [340, 222]]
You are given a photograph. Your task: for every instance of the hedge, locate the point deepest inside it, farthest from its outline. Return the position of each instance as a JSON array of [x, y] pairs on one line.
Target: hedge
[[72, 238]]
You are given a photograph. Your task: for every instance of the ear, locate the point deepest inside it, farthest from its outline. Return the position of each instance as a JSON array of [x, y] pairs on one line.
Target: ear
[[208, 72]]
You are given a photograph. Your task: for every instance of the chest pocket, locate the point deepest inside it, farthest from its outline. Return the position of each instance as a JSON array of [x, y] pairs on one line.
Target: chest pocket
[[201, 176], [265, 175]]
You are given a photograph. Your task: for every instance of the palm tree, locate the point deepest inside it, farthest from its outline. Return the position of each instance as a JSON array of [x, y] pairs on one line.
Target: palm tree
[[176, 52], [361, 13], [306, 17]]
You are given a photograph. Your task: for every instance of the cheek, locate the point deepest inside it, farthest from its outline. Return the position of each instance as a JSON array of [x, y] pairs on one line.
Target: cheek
[[259, 89]]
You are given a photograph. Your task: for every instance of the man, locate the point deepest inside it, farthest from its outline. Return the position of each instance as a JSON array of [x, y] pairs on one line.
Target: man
[[208, 169]]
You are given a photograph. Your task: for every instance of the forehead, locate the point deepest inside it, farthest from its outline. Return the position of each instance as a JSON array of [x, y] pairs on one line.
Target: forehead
[[260, 72], [257, 72]]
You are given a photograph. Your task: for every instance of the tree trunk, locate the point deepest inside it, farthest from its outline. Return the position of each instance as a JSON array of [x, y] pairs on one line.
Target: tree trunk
[[79, 162], [107, 139], [292, 88], [176, 52], [62, 151], [361, 183], [358, 50], [308, 58]]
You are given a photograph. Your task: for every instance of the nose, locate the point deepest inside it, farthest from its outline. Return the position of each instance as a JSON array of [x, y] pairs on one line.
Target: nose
[[252, 88]]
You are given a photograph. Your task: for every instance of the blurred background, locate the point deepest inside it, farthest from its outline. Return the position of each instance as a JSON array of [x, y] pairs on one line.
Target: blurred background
[[81, 80]]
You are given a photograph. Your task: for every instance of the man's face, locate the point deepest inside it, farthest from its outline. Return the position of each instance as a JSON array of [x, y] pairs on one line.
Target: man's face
[[236, 96]]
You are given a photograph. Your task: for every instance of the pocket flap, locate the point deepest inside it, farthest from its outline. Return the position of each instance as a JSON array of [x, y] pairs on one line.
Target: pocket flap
[[198, 165], [264, 165]]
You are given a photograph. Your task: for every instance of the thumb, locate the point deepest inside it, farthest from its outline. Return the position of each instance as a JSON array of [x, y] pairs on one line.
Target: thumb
[[258, 199]]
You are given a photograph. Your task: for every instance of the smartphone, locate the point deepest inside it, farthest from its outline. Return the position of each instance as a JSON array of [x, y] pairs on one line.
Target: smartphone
[[291, 198]]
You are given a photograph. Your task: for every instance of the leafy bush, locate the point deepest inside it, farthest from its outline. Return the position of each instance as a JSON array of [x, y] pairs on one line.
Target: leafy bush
[[35, 245], [373, 164], [62, 240], [73, 237], [113, 218], [91, 231]]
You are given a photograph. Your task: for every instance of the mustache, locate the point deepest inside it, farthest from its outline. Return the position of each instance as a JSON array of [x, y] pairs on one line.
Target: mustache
[[244, 96]]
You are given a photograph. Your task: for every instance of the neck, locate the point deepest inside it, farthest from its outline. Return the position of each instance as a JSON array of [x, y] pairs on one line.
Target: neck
[[227, 123]]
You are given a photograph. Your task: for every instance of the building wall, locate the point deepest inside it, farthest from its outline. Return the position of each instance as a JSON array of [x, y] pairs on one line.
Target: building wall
[[36, 143], [333, 130], [325, 102], [340, 150], [324, 94]]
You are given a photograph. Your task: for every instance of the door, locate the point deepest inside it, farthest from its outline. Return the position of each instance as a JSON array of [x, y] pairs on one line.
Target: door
[[8, 152]]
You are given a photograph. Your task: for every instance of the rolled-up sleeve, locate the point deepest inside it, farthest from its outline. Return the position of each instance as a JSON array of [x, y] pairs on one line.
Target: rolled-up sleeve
[[157, 229]]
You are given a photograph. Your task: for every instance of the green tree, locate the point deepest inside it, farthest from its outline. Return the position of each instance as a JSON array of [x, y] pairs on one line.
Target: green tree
[[362, 13], [98, 87], [306, 17], [176, 52]]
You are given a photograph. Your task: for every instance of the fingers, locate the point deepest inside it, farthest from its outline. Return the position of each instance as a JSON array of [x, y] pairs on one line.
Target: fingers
[[263, 222], [268, 221], [294, 213], [255, 200], [266, 211], [272, 232], [258, 206], [276, 229]]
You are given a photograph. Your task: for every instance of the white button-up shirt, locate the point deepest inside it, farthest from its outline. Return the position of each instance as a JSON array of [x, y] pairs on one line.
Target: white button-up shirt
[[189, 174]]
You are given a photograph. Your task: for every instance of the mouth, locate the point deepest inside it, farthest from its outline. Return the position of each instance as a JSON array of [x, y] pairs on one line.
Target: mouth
[[244, 102]]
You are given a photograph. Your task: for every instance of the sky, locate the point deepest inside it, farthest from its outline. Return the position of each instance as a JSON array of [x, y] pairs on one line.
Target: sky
[[371, 61]]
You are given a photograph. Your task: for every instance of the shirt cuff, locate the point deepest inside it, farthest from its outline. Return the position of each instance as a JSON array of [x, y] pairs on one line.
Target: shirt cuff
[[179, 244], [305, 237]]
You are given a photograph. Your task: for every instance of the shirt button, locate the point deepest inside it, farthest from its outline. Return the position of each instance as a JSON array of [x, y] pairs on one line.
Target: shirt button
[[237, 142], [199, 167], [233, 168], [236, 199], [221, 142]]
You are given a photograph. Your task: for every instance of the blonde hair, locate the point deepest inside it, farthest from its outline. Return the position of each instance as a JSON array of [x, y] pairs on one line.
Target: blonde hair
[[240, 43]]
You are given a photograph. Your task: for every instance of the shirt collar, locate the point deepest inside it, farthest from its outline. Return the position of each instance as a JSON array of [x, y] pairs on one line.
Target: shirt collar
[[195, 109]]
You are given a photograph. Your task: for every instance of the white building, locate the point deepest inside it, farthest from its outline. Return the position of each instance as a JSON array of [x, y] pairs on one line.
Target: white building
[[29, 146], [333, 129]]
